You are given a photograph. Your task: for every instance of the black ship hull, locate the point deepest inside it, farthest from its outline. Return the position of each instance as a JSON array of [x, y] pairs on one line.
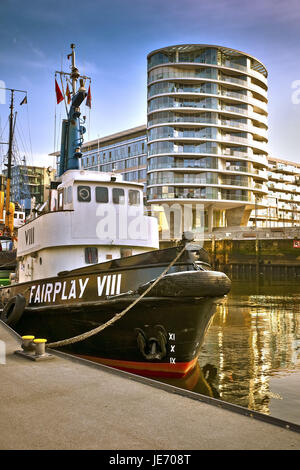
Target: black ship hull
[[160, 336]]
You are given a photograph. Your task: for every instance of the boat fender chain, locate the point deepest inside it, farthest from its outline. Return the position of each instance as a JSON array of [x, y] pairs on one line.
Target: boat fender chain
[[117, 317]]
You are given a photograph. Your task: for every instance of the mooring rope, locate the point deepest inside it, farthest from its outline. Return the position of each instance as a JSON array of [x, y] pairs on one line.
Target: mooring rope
[[94, 331]]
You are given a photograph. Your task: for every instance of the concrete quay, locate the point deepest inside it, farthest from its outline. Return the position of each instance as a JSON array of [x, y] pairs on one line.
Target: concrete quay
[[66, 404]]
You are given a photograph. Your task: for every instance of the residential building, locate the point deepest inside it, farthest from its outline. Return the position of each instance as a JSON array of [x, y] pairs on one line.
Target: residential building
[[283, 196], [207, 131], [30, 183]]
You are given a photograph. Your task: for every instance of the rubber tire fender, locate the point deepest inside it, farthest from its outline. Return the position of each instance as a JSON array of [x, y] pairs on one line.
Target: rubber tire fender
[[13, 310]]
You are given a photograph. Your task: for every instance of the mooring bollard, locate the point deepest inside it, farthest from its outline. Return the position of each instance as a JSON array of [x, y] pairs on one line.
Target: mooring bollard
[[27, 342], [40, 344], [34, 349]]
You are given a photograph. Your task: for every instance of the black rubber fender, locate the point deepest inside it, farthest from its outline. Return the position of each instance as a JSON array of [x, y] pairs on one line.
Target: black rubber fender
[[13, 310]]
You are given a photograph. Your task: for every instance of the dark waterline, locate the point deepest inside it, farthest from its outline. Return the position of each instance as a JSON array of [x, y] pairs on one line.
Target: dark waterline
[[251, 353]]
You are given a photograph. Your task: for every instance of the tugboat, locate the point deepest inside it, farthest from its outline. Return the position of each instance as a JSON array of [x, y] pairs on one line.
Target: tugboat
[[91, 260]]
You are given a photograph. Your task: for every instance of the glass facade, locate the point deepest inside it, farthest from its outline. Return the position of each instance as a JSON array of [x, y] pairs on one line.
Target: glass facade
[[207, 109], [126, 154]]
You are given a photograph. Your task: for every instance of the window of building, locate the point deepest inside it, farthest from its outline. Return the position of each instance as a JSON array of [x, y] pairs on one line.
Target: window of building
[[134, 197], [84, 193], [118, 196], [101, 194], [91, 255]]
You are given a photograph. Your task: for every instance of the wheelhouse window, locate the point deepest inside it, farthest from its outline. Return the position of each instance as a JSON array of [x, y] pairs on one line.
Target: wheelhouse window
[[134, 197], [69, 195], [118, 196], [91, 255], [101, 194], [60, 200], [84, 194]]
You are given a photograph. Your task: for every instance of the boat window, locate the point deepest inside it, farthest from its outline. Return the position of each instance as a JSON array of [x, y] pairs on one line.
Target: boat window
[[125, 252], [69, 195], [60, 200], [84, 194], [101, 194], [91, 255], [118, 196], [21, 216], [134, 197]]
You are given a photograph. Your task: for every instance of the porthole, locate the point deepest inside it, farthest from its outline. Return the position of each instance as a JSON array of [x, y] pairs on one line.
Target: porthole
[[84, 193]]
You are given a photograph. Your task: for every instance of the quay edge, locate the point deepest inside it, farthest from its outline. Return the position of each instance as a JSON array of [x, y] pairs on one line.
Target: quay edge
[[113, 411]]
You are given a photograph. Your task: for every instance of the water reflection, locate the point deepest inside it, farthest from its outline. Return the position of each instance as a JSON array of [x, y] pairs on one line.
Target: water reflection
[[251, 352]]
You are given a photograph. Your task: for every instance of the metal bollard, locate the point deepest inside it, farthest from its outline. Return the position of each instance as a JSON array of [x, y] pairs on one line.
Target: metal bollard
[[40, 344], [27, 342], [34, 349]]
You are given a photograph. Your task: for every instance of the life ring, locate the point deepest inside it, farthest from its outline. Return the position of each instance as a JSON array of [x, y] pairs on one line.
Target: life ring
[[13, 310]]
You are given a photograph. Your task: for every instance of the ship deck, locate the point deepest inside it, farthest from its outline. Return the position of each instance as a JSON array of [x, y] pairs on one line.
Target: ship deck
[[67, 403]]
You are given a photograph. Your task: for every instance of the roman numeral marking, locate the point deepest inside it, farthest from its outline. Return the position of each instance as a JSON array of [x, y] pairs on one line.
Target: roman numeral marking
[[110, 284], [29, 236]]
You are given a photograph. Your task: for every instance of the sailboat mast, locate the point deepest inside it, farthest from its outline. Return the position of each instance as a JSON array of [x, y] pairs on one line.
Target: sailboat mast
[[10, 145]]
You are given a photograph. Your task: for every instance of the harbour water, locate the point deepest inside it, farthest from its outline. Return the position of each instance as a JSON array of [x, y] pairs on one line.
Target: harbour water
[[251, 353]]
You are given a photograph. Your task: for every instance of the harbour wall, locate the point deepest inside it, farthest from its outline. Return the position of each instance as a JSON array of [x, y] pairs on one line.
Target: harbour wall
[[248, 253], [247, 259]]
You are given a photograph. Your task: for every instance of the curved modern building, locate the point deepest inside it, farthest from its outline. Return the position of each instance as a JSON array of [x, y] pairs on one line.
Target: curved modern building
[[207, 131]]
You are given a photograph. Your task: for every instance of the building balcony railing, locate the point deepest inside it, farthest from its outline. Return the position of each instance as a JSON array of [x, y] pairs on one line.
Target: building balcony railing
[[200, 77], [224, 65]]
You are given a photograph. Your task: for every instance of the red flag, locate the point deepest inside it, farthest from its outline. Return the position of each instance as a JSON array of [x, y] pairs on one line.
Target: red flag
[[89, 98], [59, 96], [68, 94]]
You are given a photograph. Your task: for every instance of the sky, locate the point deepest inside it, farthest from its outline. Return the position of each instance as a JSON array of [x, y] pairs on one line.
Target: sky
[[113, 38]]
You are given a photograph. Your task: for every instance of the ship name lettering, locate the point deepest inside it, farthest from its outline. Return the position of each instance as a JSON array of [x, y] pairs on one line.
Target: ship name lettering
[[54, 291]]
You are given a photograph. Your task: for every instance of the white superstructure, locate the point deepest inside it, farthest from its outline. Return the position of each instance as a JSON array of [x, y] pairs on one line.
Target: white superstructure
[[91, 217]]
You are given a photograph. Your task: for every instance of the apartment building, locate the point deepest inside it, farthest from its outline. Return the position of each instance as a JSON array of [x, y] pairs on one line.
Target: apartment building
[[30, 183], [283, 184]]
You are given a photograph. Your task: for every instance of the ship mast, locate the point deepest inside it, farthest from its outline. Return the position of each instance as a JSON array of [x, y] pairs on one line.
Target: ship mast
[[75, 72], [72, 128], [7, 224]]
